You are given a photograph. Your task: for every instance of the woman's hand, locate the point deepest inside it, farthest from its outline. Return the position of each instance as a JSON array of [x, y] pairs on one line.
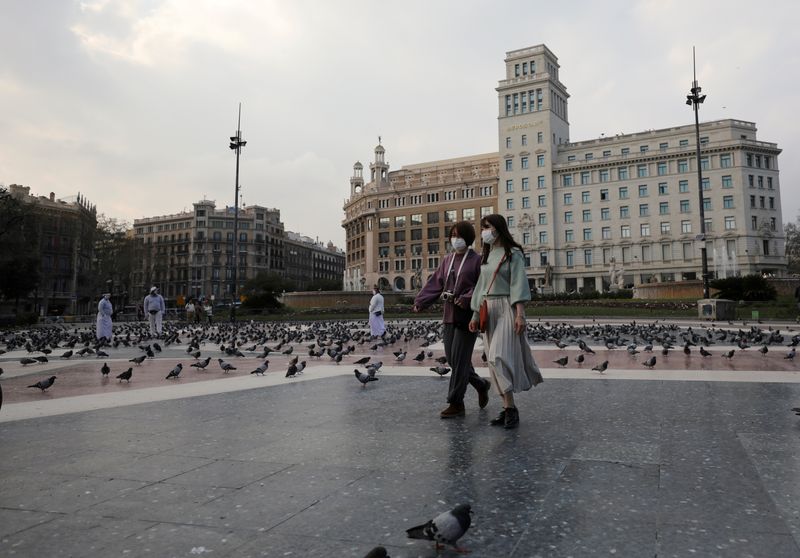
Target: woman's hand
[[415, 308], [519, 324], [473, 326]]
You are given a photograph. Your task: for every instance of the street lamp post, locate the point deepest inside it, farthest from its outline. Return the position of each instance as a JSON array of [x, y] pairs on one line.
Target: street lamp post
[[236, 145], [695, 99]]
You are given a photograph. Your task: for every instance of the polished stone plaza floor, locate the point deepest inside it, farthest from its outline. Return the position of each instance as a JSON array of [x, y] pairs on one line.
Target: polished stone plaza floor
[[323, 467]]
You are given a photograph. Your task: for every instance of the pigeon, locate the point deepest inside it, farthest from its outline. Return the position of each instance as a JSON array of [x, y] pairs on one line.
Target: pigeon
[[442, 360], [138, 360], [377, 552], [41, 359], [796, 410], [195, 354], [790, 355], [420, 357], [763, 350], [441, 370], [650, 362], [226, 366], [584, 347], [292, 371], [364, 378], [67, 354], [25, 361], [201, 364], [580, 358], [126, 375], [601, 367], [105, 369], [362, 360], [446, 528], [301, 367], [259, 371], [44, 384], [729, 354], [175, 372], [562, 361], [101, 354], [704, 352]]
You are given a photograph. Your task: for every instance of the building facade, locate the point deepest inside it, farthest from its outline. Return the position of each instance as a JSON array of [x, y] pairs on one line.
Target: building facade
[[311, 264], [191, 253], [622, 208], [64, 231], [397, 224]]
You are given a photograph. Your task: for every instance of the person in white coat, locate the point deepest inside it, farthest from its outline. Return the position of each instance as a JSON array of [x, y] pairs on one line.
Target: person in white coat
[[377, 327], [104, 312], [154, 309]]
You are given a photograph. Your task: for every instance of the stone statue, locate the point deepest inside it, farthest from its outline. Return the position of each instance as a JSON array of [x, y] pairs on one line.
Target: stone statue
[[615, 275], [548, 275]]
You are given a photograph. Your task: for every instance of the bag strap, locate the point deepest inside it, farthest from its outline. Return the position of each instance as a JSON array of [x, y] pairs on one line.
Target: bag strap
[[489, 288]]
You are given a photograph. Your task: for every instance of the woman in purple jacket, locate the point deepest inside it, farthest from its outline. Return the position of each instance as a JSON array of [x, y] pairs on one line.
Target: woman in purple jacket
[[453, 283]]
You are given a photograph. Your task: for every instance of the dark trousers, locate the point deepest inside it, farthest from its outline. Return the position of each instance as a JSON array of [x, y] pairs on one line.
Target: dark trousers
[[458, 345]]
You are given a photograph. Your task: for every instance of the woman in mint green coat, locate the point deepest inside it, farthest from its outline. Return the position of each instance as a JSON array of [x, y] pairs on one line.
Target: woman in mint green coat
[[503, 283]]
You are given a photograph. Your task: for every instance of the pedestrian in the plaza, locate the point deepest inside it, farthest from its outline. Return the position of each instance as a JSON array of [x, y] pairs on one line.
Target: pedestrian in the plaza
[[208, 308], [104, 313], [377, 326], [453, 283], [503, 284], [154, 307], [199, 311], [190, 310]]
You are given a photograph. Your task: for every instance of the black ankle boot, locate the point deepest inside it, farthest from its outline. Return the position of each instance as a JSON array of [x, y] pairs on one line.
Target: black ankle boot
[[500, 420], [512, 418]]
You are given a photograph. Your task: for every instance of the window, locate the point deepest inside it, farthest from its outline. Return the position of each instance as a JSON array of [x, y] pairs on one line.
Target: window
[[765, 246], [623, 192], [644, 229], [400, 251], [383, 252], [708, 225], [589, 156], [684, 206], [622, 173], [707, 204], [433, 248], [569, 236], [509, 165], [526, 238], [666, 252], [523, 161], [663, 146], [663, 208], [771, 202], [433, 263], [568, 198], [761, 182], [540, 182], [543, 218], [761, 202], [662, 189], [399, 236], [433, 232], [686, 227], [704, 163], [727, 182], [570, 258], [683, 143], [752, 202], [566, 180], [509, 204], [625, 151], [568, 216], [400, 221], [683, 165], [587, 215], [665, 227], [587, 257], [661, 169], [644, 210], [542, 237], [542, 201], [416, 234], [433, 198], [526, 202], [587, 234], [605, 214], [525, 184], [486, 210], [416, 219], [725, 161], [769, 182], [705, 184], [683, 186], [383, 237], [468, 214], [540, 137], [540, 160], [433, 217], [509, 186], [641, 171], [508, 142], [604, 195], [758, 161], [585, 197], [643, 190], [687, 250], [772, 223], [750, 180], [606, 233], [524, 139], [383, 223], [624, 212], [625, 231], [604, 175], [585, 177], [754, 222]]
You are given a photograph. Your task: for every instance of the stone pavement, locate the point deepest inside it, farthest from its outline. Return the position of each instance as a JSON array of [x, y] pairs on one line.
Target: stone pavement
[[698, 457]]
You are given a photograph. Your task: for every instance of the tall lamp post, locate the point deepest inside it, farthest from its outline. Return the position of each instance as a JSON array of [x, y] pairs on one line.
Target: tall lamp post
[[695, 99], [236, 145]]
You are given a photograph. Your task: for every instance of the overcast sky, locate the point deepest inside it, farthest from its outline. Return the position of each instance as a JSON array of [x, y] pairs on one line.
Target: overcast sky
[[132, 102]]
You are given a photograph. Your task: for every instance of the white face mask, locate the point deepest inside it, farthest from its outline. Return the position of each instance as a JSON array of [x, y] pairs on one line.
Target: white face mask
[[458, 243], [488, 236]]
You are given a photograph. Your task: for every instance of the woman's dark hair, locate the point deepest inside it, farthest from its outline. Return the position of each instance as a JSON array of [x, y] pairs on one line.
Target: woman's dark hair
[[465, 230], [503, 235]]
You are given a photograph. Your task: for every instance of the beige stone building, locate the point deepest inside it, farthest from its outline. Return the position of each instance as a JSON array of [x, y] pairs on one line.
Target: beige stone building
[[397, 223], [622, 208]]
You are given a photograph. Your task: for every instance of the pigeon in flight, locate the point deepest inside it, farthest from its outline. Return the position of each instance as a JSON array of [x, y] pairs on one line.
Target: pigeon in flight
[[446, 528], [44, 384], [175, 372], [364, 378], [126, 375], [602, 367]]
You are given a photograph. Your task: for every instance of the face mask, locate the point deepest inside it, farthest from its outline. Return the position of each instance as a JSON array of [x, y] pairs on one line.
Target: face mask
[[458, 243], [488, 236]]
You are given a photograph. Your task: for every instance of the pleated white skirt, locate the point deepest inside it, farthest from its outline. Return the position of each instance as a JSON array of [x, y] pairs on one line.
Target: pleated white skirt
[[508, 355]]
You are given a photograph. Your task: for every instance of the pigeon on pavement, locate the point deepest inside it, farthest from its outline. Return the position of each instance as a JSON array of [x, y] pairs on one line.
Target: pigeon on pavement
[[364, 378], [446, 528], [259, 371], [602, 367], [175, 372], [562, 361], [201, 364], [226, 366], [126, 375], [650, 362], [138, 360], [377, 552], [441, 370], [44, 384], [104, 370]]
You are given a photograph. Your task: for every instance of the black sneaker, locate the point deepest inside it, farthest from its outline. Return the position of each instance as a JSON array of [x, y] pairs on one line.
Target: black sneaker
[[512, 418], [500, 420]]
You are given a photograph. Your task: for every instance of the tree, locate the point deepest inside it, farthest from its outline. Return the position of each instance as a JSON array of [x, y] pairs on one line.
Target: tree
[[263, 290], [792, 233], [114, 258]]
